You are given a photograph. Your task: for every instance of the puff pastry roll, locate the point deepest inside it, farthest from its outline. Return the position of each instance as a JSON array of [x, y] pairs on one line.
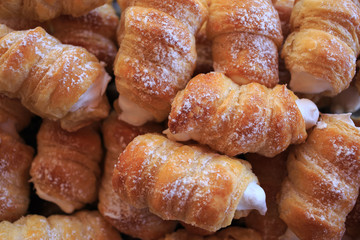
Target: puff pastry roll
[[270, 172], [231, 233], [81, 226], [235, 119], [66, 168], [55, 81], [186, 183], [246, 36], [45, 10], [95, 31], [323, 180], [191, 13], [322, 50], [138, 223], [157, 56], [15, 161]]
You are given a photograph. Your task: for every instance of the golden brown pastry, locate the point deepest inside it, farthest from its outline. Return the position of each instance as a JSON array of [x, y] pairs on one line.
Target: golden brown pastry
[[15, 160], [322, 49], [246, 36], [271, 172], [66, 168], [353, 221], [231, 233], [95, 31], [157, 55], [186, 183], [235, 119], [56, 81], [41, 10], [191, 13], [83, 225], [323, 180], [138, 223]]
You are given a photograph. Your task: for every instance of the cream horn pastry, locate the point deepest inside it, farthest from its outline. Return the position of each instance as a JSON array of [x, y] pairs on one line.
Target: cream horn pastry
[[323, 180], [157, 55], [45, 10], [270, 172], [246, 37], [230, 233], [95, 31], [186, 183], [83, 225], [321, 51], [66, 168], [235, 119], [53, 80], [138, 223]]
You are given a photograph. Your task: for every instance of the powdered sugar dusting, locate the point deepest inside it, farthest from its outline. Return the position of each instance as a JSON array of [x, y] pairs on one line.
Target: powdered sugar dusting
[[236, 119]]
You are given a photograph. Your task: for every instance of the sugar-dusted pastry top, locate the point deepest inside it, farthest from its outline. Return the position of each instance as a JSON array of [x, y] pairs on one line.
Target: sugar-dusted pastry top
[[154, 61], [322, 49], [84, 225], [236, 119], [66, 168], [186, 183], [53, 80], [138, 223], [323, 180]]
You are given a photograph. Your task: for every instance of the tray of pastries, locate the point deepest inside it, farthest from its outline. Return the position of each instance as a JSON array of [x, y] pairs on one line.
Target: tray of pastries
[[180, 119]]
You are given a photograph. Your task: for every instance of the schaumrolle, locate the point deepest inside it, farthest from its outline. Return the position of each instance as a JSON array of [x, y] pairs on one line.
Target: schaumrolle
[[53, 80], [235, 119], [138, 223], [83, 225], [186, 183], [95, 31], [157, 55], [246, 36], [321, 51], [323, 180], [66, 168]]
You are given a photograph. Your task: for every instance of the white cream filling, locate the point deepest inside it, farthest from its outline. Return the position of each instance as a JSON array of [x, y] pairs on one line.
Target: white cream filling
[[133, 113], [253, 198], [66, 207], [306, 83], [347, 101], [92, 96], [239, 79], [289, 235], [309, 111], [179, 137]]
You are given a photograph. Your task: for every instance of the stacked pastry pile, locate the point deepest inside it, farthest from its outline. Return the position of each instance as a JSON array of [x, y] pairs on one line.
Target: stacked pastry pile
[[210, 124]]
